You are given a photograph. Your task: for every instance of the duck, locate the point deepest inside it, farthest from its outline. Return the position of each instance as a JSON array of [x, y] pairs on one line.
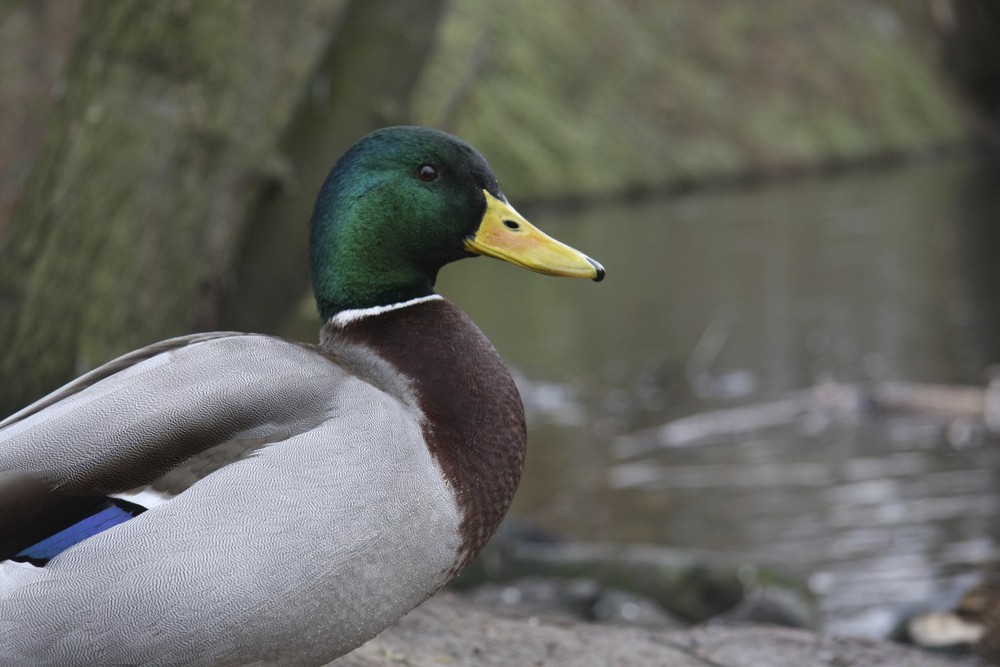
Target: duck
[[235, 498]]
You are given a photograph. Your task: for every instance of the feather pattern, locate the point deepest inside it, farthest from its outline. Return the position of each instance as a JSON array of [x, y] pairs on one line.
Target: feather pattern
[[322, 438]]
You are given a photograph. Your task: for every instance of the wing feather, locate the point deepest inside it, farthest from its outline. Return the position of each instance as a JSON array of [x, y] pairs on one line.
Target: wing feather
[[137, 417]]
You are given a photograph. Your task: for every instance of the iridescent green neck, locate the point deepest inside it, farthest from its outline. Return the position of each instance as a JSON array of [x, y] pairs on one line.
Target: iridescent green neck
[[355, 265]]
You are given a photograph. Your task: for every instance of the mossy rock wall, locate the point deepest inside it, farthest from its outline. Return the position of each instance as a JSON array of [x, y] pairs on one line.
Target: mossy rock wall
[[599, 97]]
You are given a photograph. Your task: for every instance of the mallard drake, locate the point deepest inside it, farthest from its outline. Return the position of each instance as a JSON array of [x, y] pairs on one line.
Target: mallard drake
[[231, 498]]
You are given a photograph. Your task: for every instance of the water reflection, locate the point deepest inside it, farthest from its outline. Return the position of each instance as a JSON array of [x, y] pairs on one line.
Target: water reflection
[[976, 302], [740, 297]]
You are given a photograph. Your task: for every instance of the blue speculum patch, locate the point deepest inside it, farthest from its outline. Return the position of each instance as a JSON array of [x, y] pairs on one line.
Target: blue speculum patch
[[107, 517]]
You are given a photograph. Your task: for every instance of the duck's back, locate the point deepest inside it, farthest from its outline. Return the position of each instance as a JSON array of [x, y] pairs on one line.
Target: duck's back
[[309, 545]]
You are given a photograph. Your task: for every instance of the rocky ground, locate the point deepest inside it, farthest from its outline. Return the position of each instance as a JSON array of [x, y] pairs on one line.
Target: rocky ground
[[531, 599], [447, 630]]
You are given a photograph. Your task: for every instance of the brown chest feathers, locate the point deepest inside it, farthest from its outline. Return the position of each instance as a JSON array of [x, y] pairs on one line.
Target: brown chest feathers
[[474, 418]]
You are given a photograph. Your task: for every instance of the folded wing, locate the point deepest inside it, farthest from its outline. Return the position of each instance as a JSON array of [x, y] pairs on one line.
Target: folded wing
[[151, 412]]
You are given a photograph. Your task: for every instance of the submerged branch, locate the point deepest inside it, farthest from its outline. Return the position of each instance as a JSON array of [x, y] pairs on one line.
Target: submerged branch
[[844, 400]]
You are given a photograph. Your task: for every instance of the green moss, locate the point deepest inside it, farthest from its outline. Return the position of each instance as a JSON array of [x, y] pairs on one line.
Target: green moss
[[597, 97], [124, 231]]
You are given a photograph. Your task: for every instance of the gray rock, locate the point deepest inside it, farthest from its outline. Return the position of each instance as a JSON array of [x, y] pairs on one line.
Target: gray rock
[[447, 631], [624, 608], [694, 587], [543, 596], [770, 605], [577, 599]]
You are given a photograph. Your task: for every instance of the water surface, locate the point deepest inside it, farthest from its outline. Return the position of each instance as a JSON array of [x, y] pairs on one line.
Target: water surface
[[739, 297]]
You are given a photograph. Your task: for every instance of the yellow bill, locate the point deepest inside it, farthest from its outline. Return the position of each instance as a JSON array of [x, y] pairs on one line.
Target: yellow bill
[[505, 234]]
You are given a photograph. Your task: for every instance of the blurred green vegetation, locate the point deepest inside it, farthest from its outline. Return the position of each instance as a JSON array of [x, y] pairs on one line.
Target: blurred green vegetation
[[151, 162], [600, 97]]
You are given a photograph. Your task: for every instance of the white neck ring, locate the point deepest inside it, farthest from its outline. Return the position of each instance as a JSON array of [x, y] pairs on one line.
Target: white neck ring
[[345, 317]]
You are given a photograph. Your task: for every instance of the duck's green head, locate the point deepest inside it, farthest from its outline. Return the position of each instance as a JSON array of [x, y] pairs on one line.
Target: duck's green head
[[405, 201]]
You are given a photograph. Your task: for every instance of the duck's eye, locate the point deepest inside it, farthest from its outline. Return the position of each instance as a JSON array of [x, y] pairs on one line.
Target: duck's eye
[[427, 173]]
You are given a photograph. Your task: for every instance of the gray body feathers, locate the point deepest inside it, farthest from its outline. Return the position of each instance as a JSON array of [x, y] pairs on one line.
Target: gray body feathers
[[336, 521]]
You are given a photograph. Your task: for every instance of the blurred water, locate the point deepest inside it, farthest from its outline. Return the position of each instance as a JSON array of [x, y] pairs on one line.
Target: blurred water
[[741, 296]]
